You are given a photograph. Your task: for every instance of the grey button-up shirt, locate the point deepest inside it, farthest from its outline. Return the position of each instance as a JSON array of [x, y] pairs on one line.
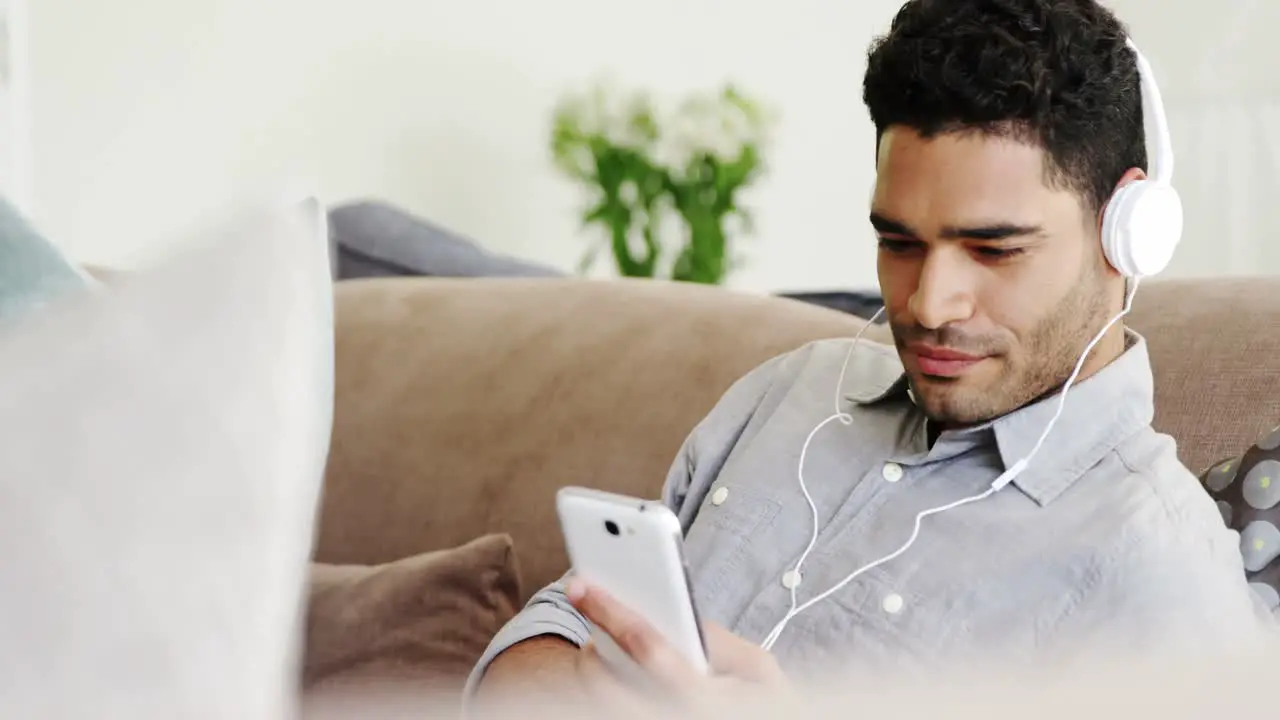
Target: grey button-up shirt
[[1105, 537]]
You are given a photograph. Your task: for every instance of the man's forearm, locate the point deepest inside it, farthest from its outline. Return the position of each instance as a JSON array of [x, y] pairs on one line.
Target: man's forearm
[[540, 664], [538, 644]]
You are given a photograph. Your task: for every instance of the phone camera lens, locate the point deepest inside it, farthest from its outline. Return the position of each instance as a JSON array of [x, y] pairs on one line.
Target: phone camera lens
[[611, 527]]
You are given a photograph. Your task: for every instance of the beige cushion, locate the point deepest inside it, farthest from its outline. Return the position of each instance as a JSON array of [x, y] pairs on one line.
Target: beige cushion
[[460, 405], [424, 620]]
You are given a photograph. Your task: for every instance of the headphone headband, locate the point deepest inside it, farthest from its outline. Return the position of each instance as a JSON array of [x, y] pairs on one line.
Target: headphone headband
[[1155, 124], [1142, 223]]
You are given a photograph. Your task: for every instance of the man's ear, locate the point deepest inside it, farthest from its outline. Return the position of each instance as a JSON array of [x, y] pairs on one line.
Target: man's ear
[[1129, 176]]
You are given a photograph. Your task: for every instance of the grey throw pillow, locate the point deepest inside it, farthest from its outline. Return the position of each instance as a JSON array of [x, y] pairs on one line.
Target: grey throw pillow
[[32, 270], [372, 239]]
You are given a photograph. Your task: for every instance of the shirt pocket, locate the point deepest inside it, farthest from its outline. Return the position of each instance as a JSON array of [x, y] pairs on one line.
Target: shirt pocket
[[723, 533]]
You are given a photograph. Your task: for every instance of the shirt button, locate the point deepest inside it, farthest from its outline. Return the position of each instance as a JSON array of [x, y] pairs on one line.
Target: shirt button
[[719, 496], [892, 603], [791, 579], [891, 472]]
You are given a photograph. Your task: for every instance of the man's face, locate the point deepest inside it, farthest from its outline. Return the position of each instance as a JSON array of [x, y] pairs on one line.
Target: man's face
[[993, 281]]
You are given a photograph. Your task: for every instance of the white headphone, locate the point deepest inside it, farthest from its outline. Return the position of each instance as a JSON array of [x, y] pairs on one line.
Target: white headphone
[[1141, 227], [1142, 223]]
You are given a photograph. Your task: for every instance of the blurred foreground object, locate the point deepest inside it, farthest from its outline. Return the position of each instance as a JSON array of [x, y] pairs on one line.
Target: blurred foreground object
[[1107, 688], [162, 443]]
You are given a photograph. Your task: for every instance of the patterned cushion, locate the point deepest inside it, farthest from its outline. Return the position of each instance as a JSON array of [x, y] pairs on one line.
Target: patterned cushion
[[1247, 489]]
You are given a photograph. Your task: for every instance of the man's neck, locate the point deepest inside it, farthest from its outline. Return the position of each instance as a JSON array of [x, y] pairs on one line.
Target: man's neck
[[1109, 348]]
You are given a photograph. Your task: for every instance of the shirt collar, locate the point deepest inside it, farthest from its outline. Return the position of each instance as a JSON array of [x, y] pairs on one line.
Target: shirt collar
[[1099, 413]]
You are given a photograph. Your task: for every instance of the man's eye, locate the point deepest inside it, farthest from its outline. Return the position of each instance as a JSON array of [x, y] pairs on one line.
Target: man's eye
[[896, 246], [997, 252]]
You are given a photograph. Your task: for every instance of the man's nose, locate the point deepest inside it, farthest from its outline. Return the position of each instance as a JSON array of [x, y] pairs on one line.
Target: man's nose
[[943, 293]]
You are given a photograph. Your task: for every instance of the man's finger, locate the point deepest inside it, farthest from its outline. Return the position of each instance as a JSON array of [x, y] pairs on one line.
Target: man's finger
[[633, 634], [732, 655]]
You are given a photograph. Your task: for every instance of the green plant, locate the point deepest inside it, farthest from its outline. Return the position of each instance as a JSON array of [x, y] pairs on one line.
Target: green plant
[[642, 169]]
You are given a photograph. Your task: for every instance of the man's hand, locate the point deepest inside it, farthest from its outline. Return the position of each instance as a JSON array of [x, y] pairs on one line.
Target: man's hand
[[736, 664]]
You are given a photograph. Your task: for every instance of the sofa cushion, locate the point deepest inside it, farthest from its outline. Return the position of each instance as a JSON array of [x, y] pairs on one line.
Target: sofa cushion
[[462, 405], [1247, 489], [424, 619]]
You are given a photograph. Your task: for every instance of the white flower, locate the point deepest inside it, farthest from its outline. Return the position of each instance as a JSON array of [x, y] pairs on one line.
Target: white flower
[[621, 119], [717, 125], [714, 126], [672, 154], [583, 161], [628, 193]]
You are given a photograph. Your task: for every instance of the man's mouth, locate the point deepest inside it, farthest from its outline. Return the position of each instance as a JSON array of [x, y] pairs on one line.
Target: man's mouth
[[942, 362]]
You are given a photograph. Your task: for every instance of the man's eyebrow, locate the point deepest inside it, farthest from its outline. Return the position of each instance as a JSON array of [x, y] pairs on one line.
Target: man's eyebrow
[[989, 232], [886, 226], [994, 231]]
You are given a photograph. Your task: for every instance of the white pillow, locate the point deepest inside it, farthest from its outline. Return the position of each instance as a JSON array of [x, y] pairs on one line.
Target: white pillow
[[162, 444]]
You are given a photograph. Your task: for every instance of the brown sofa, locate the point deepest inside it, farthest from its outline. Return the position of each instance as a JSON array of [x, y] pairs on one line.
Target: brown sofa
[[461, 405]]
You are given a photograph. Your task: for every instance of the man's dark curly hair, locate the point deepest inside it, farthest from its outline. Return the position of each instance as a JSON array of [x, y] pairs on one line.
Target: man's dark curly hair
[[1056, 73]]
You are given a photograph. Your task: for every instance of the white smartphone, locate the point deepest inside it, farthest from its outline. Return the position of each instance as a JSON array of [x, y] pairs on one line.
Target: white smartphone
[[633, 550]]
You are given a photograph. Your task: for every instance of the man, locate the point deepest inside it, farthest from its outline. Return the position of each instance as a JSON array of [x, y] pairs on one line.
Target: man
[[1002, 128]]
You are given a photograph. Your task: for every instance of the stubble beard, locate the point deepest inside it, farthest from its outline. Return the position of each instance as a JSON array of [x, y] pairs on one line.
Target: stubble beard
[[1038, 367]]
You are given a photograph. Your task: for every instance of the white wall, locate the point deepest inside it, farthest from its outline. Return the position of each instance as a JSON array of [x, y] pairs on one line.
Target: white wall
[[14, 172], [147, 114]]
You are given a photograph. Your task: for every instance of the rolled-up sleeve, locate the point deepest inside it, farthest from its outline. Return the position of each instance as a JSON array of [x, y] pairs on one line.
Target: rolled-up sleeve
[[695, 467], [548, 612]]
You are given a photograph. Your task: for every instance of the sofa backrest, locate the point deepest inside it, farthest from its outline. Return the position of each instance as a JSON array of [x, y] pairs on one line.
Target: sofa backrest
[[1215, 352], [463, 404]]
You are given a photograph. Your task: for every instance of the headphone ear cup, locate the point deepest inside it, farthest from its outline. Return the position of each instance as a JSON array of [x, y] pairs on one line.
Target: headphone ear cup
[[1141, 228], [1115, 222]]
